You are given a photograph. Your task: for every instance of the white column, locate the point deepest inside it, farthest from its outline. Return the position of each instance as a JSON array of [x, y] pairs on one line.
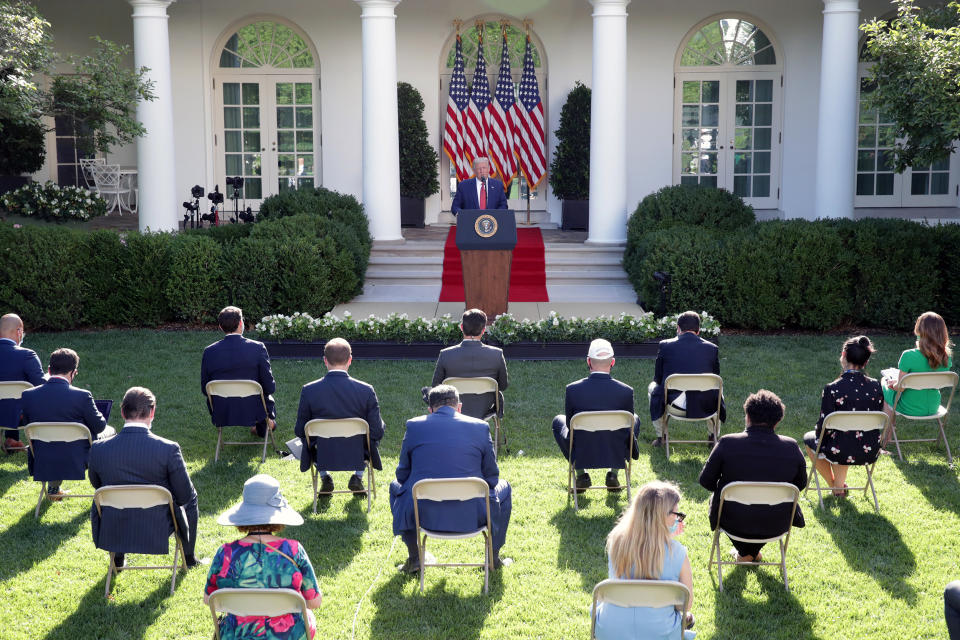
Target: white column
[[837, 116], [381, 155], [156, 162], [608, 124]]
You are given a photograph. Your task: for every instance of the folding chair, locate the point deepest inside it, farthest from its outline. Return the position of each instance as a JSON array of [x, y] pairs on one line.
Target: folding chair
[[754, 493], [443, 489], [599, 421], [849, 421], [476, 386], [641, 593], [924, 380], [10, 392], [691, 382], [341, 428], [54, 432], [234, 389], [139, 496], [256, 602]]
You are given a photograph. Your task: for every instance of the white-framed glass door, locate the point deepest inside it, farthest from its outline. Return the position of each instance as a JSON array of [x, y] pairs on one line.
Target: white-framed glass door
[[266, 134], [728, 134]]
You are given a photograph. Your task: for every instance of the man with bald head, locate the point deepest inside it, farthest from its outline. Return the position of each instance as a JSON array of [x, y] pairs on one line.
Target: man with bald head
[[16, 365]]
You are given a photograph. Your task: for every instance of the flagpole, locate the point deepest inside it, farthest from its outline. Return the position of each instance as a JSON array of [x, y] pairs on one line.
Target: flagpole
[[526, 27]]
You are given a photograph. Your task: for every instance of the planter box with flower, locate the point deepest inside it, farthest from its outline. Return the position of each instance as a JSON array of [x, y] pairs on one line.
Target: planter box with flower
[[399, 337], [53, 203]]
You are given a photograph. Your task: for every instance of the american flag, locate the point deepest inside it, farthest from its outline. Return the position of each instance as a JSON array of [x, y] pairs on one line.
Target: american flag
[[500, 139], [478, 112], [528, 125], [453, 130]]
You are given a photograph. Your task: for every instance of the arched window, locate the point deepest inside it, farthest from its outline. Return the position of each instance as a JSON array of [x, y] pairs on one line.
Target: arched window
[[877, 183], [490, 27], [266, 107], [727, 109]]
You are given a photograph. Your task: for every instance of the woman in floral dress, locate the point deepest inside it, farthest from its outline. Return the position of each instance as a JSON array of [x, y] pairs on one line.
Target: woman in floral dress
[[852, 391], [260, 559]]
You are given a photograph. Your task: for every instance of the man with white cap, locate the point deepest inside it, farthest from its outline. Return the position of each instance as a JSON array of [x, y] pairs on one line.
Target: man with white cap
[[597, 392]]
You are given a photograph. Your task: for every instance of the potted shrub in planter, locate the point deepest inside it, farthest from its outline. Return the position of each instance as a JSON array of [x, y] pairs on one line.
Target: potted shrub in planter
[[570, 169], [418, 160]]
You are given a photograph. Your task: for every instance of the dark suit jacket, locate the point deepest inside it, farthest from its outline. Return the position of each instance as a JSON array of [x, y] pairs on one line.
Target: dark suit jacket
[[757, 454], [137, 456], [337, 395], [237, 358], [687, 353], [443, 444], [473, 359], [600, 392], [57, 400], [16, 364], [466, 196]]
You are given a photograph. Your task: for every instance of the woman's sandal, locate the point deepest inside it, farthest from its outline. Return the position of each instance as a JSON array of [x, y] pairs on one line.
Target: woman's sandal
[[841, 493]]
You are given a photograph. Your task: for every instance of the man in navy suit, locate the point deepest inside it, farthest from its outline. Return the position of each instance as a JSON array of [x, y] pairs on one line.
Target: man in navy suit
[[473, 359], [16, 364], [597, 392], [687, 353], [337, 395], [237, 358], [479, 192], [447, 444], [57, 400], [137, 456]]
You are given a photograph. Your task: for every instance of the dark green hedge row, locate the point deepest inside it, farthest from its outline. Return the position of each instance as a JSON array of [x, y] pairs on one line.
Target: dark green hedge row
[[806, 274], [59, 278]]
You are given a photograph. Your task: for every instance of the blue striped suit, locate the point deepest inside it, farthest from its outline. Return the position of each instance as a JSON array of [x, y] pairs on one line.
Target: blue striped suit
[[237, 358], [16, 364], [137, 456]]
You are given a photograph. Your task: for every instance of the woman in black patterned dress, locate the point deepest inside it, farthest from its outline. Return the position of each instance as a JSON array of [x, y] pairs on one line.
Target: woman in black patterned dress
[[852, 391]]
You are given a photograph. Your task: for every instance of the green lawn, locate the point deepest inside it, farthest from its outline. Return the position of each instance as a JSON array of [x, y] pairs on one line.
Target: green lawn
[[853, 573]]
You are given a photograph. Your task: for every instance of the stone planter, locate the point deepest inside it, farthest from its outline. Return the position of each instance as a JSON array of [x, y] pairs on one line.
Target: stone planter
[[575, 215], [430, 350], [412, 212]]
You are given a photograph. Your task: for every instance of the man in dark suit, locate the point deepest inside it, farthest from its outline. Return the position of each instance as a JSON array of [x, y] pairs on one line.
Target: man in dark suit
[[756, 454], [16, 364], [687, 353], [597, 392], [473, 359], [57, 400], [479, 192], [237, 358], [137, 456], [447, 444], [337, 395]]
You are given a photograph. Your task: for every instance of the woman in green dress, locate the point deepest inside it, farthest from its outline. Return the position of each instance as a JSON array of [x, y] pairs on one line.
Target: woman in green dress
[[933, 353]]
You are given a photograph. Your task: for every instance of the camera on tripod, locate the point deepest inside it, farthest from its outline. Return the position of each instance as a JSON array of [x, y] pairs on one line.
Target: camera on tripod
[[215, 197], [190, 215]]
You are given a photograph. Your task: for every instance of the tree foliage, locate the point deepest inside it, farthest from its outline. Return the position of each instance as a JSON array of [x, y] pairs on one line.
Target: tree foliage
[[916, 75], [418, 160], [570, 169]]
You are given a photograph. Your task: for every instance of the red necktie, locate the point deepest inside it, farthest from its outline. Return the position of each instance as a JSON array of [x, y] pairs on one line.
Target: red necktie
[[483, 194]]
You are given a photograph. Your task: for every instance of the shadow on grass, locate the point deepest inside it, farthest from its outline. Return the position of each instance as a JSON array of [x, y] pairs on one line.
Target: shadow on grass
[[127, 620], [778, 614], [9, 477], [340, 538], [437, 613], [583, 537], [30, 541], [937, 482], [871, 545], [219, 485]]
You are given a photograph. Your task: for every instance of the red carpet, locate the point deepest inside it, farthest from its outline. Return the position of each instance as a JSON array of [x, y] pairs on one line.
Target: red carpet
[[528, 275]]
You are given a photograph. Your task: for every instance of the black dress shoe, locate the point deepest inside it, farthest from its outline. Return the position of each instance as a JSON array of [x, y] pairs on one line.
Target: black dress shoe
[[711, 441], [326, 486], [356, 484], [657, 442], [193, 561], [583, 482], [499, 562], [119, 560], [613, 484]]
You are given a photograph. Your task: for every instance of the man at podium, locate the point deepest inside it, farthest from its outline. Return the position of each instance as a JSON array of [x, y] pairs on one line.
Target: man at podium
[[479, 192]]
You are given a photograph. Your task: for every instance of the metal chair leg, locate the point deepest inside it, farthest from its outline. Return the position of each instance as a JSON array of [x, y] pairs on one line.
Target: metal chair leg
[[43, 490], [110, 570], [266, 440], [216, 454], [893, 433], [876, 505], [313, 474], [176, 559], [783, 565], [945, 443], [422, 549]]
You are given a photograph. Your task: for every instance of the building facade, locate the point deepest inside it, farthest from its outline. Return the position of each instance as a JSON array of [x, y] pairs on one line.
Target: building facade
[[762, 98]]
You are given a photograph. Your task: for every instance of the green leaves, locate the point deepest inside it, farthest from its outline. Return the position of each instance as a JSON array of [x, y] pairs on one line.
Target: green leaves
[[418, 160], [570, 169], [916, 74]]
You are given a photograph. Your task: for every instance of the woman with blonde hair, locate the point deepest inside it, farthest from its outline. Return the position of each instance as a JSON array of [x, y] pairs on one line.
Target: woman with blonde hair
[[641, 547], [932, 353]]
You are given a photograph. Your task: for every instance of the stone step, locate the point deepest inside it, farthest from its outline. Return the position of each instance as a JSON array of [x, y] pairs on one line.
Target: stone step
[[393, 274], [402, 262]]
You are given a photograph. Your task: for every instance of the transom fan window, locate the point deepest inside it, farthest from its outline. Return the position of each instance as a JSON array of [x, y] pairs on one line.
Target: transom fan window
[[266, 44], [728, 41]]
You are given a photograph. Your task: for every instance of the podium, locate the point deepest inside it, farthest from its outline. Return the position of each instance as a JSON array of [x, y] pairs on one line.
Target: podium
[[486, 238]]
